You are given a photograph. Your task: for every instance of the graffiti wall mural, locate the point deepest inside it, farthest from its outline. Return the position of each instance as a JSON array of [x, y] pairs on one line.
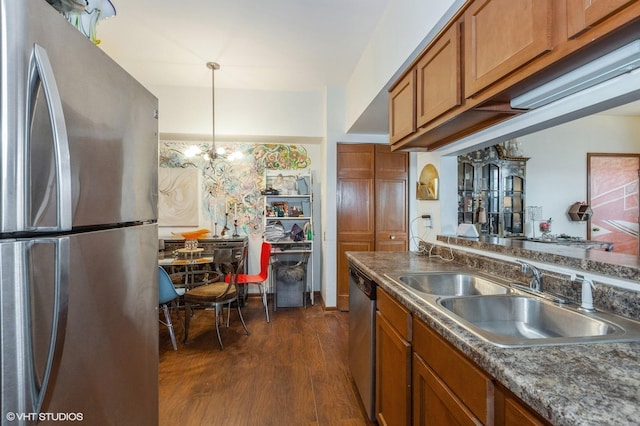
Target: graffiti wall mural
[[231, 179]]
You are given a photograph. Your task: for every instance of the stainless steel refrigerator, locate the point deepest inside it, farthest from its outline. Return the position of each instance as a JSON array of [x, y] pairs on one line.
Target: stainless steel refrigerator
[[78, 233]]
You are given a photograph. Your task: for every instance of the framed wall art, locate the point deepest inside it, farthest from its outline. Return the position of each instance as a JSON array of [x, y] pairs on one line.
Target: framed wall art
[[178, 196]]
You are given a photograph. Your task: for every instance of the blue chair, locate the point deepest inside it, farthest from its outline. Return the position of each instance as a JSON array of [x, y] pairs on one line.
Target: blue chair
[[168, 294]]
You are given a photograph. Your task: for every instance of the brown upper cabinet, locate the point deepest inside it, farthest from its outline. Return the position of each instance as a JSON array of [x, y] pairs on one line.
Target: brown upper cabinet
[[402, 106], [584, 14], [502, 35], [492, 51], [438, 77]]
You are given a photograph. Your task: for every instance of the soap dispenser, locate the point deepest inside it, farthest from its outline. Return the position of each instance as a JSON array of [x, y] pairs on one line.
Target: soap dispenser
[[587, 295]]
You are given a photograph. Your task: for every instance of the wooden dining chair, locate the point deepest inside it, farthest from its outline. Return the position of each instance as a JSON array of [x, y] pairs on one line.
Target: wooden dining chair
[[230, 262], [260, 278]]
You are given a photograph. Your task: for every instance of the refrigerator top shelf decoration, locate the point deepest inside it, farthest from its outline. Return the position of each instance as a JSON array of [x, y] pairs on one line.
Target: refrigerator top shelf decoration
[[85, 14]]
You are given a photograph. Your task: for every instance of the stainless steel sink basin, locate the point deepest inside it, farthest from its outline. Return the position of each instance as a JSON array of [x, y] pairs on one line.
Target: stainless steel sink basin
[[505, 317], [451, 284], [515, 320]]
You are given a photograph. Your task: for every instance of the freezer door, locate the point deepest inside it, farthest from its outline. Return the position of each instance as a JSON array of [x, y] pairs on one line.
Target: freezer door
[[19, 391], [88, 345], [34, 311], [79, 135]]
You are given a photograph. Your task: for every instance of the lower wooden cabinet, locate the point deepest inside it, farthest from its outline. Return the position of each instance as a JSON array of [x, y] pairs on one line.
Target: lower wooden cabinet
[[510, 411], [433, 402], [468, 389], [393, 362], [421, 379]]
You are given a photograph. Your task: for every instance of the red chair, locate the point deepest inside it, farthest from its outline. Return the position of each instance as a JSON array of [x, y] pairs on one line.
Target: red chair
[[260, 278]]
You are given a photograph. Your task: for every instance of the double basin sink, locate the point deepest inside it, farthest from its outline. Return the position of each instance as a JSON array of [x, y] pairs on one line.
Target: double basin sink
[[505, 317]]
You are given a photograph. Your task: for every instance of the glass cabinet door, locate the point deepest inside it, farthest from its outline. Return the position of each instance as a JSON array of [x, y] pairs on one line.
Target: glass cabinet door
[[466, 178], [513, 205], [491, 197]]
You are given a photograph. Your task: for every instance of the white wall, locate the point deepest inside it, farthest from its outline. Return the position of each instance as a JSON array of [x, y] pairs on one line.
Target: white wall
[[248, 113], [403, 31], [557, 170]]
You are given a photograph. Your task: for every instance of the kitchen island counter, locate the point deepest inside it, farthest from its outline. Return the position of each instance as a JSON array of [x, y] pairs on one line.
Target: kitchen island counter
[[567, 385]]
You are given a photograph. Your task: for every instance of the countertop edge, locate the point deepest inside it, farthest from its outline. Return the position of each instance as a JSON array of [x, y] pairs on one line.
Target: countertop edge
[[532, 374]]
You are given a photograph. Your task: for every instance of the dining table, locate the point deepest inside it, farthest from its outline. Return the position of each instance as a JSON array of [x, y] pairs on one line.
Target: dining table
[[170, 247], [189, 264]]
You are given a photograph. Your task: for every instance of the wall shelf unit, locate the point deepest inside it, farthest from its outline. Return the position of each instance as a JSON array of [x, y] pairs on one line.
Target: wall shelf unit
[[580, 212], [288, 225]]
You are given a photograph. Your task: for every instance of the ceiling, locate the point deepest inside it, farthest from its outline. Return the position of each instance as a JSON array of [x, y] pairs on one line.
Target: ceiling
[[280, 45], [289, 45]]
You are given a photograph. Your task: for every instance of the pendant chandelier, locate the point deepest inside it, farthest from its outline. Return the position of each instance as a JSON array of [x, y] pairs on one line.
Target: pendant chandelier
[[213, 153]]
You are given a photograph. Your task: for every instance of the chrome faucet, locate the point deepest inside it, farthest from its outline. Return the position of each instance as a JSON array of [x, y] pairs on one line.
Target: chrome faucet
[[535, 285], [536, 277]]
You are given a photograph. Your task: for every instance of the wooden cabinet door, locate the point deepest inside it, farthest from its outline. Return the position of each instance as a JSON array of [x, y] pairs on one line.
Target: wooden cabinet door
[[438, 78], [402, 108], [355, 214], [433, 402], [502, 35], [471, 385], [510, 411], [372, 203], [516, 414], [583, 14], [393, 375], [391, 199]]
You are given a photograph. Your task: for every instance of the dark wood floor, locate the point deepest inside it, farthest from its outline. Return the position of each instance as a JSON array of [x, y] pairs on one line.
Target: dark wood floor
[[292, 371]]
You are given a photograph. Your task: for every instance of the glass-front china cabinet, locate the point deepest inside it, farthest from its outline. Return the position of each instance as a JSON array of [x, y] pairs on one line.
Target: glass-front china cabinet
[[491, 189]]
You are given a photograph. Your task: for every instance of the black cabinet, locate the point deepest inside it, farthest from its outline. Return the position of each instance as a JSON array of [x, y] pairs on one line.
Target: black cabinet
[[491, 191]]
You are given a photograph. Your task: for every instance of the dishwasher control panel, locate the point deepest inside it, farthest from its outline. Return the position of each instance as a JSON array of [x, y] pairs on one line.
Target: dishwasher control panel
[[362, 281]]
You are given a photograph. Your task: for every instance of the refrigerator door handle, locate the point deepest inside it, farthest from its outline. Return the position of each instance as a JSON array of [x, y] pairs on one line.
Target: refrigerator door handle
[[41, 67], [59, 320]]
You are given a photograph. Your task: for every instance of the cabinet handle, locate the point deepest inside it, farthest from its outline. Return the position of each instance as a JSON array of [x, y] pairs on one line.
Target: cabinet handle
[[392, 237]]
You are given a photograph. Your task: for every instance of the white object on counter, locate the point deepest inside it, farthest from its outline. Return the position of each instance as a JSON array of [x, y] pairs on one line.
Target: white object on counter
[[467, 230], [587, 295]]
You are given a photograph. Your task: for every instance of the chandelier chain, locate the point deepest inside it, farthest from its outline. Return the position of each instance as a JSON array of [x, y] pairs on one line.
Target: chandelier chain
[[213, 66]]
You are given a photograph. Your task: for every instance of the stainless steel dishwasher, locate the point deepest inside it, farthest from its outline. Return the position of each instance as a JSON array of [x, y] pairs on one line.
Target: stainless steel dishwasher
[[362, 336]]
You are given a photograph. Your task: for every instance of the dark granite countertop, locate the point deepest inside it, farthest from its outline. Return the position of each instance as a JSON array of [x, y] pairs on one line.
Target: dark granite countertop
[[622, 266], [595, 384]]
